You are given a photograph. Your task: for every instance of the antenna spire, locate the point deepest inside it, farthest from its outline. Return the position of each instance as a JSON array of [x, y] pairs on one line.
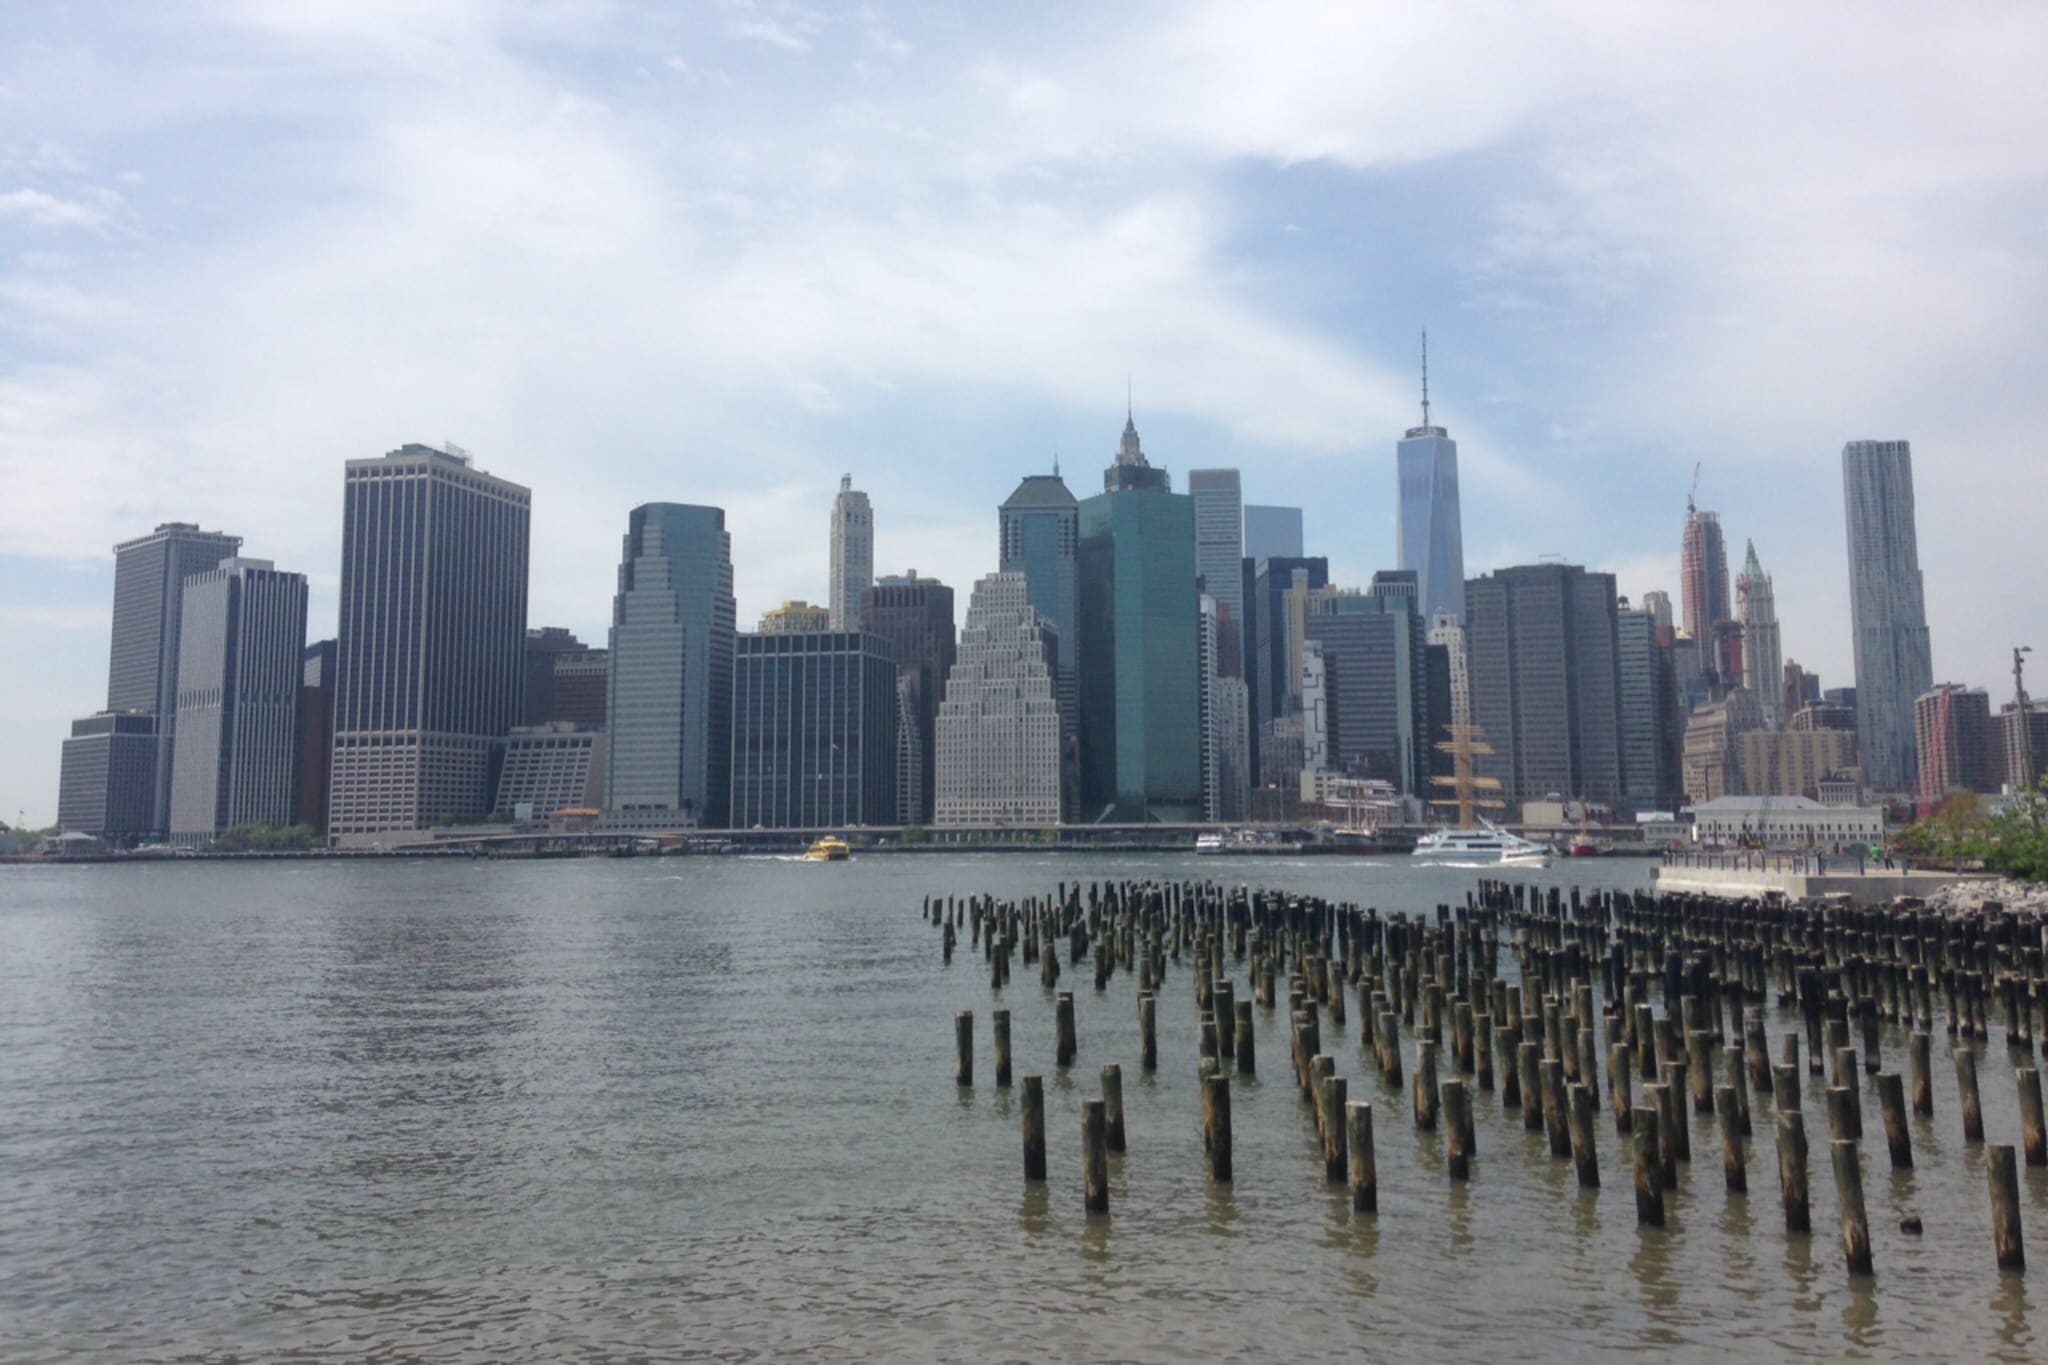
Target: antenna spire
[[1127, 396], [1055, 459], [1425, 376]]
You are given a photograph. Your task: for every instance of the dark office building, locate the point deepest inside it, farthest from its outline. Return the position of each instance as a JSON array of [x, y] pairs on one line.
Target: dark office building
[[1040, 529], [142, 665], [241, 665], [1546, 681], [316, 734], [1652, 730], [915, 615], [813, 731], [107, 785], [431, 656], [1267, 668], [1376, 677], [566, 680]]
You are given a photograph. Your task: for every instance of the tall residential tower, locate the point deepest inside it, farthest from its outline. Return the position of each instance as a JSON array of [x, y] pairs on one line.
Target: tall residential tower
[[1887, 610], [853, 553]]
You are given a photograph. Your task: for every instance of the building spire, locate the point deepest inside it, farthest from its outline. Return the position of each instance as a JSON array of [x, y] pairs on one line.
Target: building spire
[[1425, 376], [1055, 459]]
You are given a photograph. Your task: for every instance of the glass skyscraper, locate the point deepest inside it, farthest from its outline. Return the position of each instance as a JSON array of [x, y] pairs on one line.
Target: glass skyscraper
[[814, 731], [1039, 526], [1887, 609], [432, 650], [1430, 542], [1271, 532], [670, 710], [1219, 558], [1140, 666]]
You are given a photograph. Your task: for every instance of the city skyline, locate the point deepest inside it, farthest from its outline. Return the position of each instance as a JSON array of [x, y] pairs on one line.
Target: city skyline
[[1559, 258]]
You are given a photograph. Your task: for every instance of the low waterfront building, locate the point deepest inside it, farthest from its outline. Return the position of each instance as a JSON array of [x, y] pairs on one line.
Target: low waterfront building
[[1785, 822], [107, 784], [551, 768]]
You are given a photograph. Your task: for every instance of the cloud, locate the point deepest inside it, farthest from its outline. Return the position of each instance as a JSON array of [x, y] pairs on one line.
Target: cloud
[[40, 209]]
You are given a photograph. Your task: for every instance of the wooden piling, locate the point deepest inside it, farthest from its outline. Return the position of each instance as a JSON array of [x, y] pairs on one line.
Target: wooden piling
[[1681, 1117], [1966, 1083], [1733, 1167], [1845, 1077], [2005, 1207], [1241, 1035], [1792, 1171], [1425, 1084], [1336, 1152], [1891, 1100], [1002, 1032], [1113, 1104], [1148, 1031], [1923, 1074], [963, 1042], [1033, 1110], [1649, 1174], [1665, 1098], [1585, 1154], [1458, 1130], [1216, 1125], [1095, 1156], [1849, 1195], [1365, 1191], [1556, 1124], [2033, 1137], [1527, 1055], [1065, 1045]]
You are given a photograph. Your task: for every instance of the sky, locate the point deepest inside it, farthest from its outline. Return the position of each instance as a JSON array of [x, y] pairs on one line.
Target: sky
[[726, 252]]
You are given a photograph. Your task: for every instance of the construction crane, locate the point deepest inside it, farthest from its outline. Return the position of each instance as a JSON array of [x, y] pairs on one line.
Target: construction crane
[[1693, 493]]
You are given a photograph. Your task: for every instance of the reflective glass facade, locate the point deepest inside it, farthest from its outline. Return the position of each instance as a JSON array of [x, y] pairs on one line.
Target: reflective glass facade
[[1431, 541], [813, 731]]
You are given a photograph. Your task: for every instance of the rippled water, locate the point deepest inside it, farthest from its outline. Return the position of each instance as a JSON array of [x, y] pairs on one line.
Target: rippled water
[[613, 1110]]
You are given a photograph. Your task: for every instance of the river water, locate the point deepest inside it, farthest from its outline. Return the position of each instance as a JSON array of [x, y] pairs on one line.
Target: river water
[[641, 1109]]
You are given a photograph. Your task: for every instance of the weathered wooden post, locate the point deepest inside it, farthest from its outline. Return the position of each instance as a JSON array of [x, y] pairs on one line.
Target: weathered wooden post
[[1666, 1097], [1555, 1107], [1148, 1031], [1966, 1082], [1681, 1116], [1785, 1079], [1458, 1130], [1699, 1046], [1792, 1171], [1064, 1045], [1113, 1104], [1845, 1077], [1923, 1074], [1223, 1004], [1849, 1194], [1095, 1156], [1365, 1189], [1649, 1168], [1620, 1069], [1733, 1168], [2032, 1134], [1735, 1078], [1482, 1050], [1891, 1099], [2005, 1207], [1216, 1125], [1241, 1034], [1425, 1084], [1034, 1128], [1336, 1153], [1527, 1055], [1002, 1018], [1585, 1155], [963, 1043]]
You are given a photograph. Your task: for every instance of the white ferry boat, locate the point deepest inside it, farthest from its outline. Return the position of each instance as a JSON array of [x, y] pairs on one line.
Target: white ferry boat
[[1487, 844]]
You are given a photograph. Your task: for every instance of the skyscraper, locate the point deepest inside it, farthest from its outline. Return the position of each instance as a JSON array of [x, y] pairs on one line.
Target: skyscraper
[[1763, 662], [566, 680], [142, 665], [1658, 604], [853, 553], [813, 731], [1704, 579], [1140, 674], [1652, 730], [1039, 526], [999, 729], [316, 735], [1272, 671], [431, 655], [1546, 681], [1428, 532], [241, 665], [1375, 661], [1219, 558], [1271, 532], [1226, 754], [915, 615], [1887, 609], [670, 714], [1959, 747], [107, 783]]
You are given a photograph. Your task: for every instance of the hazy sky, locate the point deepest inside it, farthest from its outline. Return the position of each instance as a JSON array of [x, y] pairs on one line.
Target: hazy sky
[[725, 252]]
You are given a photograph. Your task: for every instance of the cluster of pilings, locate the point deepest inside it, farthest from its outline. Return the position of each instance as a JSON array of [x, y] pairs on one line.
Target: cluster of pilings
[[1669, 991]]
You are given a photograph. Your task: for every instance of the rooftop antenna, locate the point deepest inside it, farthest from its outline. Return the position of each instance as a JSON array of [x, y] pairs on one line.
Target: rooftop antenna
[[1127, 395], [1055, 459], [1425, 376]]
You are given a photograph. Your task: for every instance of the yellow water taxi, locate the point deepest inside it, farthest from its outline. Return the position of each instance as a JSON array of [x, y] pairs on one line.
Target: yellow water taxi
[[828, 850]]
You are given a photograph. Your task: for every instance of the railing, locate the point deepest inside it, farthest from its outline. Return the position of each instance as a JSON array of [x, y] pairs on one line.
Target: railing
[[1791, 863]]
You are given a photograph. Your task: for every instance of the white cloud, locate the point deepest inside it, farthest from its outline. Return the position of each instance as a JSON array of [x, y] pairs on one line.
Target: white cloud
[[40, 209]]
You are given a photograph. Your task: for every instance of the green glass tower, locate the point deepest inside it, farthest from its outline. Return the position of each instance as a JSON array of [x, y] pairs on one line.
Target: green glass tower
[[1139, 662]]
